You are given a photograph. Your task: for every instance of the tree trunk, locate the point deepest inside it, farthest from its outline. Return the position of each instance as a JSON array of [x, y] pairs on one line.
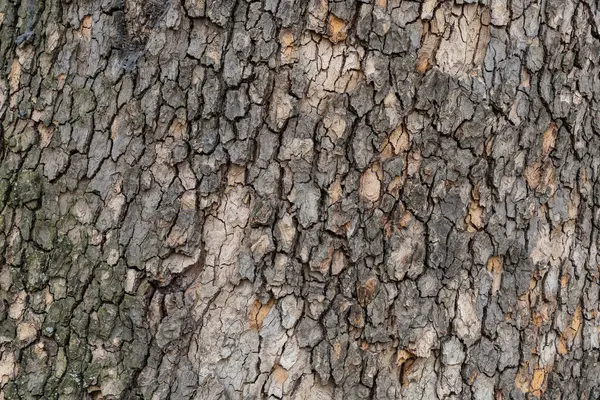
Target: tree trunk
[[299, 199]]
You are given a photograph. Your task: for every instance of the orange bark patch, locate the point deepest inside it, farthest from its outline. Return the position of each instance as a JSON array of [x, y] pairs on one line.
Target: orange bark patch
[[337, 29], [537, 383], [422, 64], [561, 346], [258, 313]]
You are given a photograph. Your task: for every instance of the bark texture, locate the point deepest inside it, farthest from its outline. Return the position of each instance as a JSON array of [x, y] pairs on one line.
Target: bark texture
[[299, 199]]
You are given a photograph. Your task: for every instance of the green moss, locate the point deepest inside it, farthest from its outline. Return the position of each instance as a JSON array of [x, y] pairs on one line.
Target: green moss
[[58, 318], [26, 189], [22, 142]]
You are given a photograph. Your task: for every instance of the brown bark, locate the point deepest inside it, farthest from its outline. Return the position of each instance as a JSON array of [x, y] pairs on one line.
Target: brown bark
[[299, 199]]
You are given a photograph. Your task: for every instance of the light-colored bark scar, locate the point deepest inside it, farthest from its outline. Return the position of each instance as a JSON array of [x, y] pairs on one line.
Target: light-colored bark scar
[[456, 39], [370, 183], [258, 313]]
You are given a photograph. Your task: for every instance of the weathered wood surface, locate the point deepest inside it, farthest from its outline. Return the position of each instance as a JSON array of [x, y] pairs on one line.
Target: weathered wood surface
[[299, 199]]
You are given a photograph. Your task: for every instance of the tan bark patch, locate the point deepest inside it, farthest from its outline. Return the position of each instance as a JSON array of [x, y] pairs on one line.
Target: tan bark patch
[[280, 374], [337, 29], [86, 27], [324, 265], [541, 175], [7, 366], [495, 266], [188, 200], [403, 356], [549, 139], [427, 50], [566, 338], [395, 186], [46, 133], [474, 217], [286, 39], [365, 292], [177, 129], [564, 281], [335, 191], [572, 331], [397, 142], [258, 312], [422, 63], [14, 76], [18, 305], [236, 175], [525, 78], [405, 360], [536, 384], [338, 262], [336, 351], [533, 174], [370, 183], [522, 379], [405, 219], [456, 38], [26, 331]]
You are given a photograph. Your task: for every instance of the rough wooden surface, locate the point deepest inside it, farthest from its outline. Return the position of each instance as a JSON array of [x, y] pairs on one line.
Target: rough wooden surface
[[299, 199]]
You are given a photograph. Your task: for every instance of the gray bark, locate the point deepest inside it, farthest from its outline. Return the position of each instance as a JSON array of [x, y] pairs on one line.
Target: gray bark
[[299, 199]]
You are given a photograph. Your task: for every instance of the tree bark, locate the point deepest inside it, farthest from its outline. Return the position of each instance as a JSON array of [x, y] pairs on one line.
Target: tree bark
[[299, 199]]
